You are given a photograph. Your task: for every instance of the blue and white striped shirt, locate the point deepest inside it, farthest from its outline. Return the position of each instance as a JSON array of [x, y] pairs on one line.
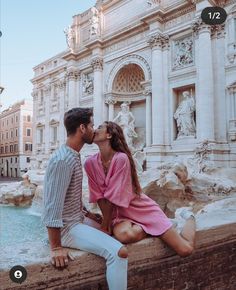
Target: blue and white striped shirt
[[62, 198]]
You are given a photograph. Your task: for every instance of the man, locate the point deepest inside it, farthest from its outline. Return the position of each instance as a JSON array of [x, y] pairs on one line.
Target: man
[[63, 208]]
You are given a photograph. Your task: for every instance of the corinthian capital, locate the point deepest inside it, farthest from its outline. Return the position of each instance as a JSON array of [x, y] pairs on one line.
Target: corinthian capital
[[72, 73], [198, 25], [158, 40], [218, 31], [97, 63], [110, 101]]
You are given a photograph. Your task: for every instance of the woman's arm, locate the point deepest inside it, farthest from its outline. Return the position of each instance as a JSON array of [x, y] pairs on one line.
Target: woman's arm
[[106, 208]]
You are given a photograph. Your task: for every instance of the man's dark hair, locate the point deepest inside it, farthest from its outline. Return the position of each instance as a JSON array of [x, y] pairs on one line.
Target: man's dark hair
[[75, 117]]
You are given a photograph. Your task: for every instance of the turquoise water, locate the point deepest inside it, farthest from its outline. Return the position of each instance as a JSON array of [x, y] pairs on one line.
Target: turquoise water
[[18, 225]]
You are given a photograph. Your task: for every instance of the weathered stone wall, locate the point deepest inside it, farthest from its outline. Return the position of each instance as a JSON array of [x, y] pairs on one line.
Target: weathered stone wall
[[152, 266]]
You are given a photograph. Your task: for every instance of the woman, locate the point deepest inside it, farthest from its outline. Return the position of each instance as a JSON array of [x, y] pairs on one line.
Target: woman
[[127, 212]]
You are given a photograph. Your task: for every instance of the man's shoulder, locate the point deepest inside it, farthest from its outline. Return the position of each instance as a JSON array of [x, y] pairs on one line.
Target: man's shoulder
[[62, 155]]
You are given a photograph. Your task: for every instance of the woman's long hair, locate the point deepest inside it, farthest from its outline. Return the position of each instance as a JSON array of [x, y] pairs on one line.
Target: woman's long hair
[[119, 144]]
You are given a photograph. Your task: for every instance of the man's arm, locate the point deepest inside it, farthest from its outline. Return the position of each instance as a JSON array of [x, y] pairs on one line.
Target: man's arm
[[59, 255], [57, 180]]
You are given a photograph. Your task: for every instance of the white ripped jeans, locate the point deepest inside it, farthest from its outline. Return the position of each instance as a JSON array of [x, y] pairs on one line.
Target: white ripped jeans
[[87, 238]]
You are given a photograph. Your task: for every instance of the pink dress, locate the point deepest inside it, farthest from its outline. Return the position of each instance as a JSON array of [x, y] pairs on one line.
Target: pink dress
[[116, 187]]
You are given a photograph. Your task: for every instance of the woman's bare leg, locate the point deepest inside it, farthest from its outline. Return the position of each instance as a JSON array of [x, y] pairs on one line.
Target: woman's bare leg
[[127, 232], [182, 243]]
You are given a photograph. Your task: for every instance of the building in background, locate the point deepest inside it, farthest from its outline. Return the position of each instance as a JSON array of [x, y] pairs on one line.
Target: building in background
[[16, 138], [176, 74]]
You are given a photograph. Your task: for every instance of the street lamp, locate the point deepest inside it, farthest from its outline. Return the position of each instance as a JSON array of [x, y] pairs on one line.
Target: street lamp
[[1, 89]]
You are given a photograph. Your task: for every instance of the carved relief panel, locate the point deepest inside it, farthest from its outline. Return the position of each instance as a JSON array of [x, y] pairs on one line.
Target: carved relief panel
[[183, 53]]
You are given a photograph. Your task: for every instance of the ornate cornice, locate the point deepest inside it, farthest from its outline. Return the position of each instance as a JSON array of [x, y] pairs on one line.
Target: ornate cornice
[[158, 40], [97, 63]]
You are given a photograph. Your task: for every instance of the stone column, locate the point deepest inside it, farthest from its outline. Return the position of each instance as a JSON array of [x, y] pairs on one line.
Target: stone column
[[157, 42], [218, 40], [148, 118], [46, 139], [62, 91], [204, 88], [232, 118], [97, 64], [72, 75], [110, 102]]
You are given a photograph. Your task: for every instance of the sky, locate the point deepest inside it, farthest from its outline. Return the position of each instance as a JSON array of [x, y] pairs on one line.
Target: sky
[[32, 32]]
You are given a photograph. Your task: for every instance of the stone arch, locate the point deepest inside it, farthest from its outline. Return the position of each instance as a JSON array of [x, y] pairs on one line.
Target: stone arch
[[129, 79], [130, 59]]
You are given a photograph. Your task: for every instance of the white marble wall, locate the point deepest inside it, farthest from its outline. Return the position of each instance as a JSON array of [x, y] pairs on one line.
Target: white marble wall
[[176, 53]]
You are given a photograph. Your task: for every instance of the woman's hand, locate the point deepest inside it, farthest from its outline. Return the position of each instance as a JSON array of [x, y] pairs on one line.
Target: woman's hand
[[94, 216], [106, 228]]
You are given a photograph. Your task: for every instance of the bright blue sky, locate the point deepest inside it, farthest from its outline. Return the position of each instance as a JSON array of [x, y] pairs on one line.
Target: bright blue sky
[[32, 31]]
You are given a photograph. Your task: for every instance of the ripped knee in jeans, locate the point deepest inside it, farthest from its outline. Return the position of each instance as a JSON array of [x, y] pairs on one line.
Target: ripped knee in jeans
[[123, 252]]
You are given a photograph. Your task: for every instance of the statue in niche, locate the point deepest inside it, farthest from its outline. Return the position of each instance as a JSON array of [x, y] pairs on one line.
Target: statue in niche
[[87, 85], [70, 37], [126, 120], [94, 22], [184, 116]]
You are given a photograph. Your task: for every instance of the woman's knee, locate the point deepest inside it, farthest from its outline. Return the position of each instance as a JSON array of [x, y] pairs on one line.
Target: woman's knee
[[123, 252], [124, 235]]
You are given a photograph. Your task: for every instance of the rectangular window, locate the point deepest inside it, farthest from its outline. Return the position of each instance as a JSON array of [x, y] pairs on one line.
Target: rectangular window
[[16, 132], [16, 160], [28, 118], [6, 149], [15, 147], [28, 147], [54, 134], [11, 133], [28, 159], [11, 148], [2, 150], [6, 135], [41, 136], [16, 119], [28, 132]]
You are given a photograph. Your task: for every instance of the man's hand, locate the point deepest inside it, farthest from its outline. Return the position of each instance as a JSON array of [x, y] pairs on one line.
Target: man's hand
[[60, 257]]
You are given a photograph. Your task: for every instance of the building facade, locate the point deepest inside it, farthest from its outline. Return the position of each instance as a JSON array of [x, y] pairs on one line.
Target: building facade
[[176, 74], [16, 138]]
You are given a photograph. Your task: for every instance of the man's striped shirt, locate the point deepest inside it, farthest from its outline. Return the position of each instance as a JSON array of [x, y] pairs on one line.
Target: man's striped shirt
[[62, 199]]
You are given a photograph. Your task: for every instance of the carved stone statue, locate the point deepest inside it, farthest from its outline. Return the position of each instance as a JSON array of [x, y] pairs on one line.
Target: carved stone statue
[[94, 22], [70, 37], [87, 85], [184, 116], [126, 120]]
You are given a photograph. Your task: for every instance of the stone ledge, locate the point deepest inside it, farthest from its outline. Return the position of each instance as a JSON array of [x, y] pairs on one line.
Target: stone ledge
[[147, 260]]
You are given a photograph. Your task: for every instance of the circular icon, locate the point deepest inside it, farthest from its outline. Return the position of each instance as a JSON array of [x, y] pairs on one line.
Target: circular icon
[[213, 15], [18, 274]]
